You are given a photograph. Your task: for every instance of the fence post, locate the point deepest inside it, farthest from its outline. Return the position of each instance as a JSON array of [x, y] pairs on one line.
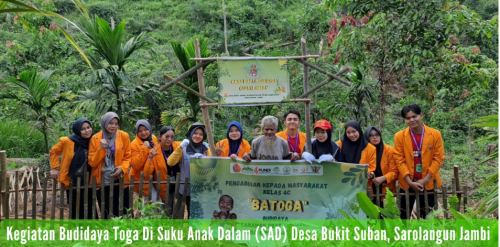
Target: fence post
[[150, 188], [3, 185], [426, 202], [417, 200], [7, 201], [121, 194], [176, 205], [158, 186], [445, 201], [94, 197], [407, 198], [131, 195], [465, 198], [377, 188], [16, 197], [33, 196], [25, 196], [435, 194], [44, 199], [457, 185], [85, 195], [184, 197], [61, 202], [54, 191], [398, 198]]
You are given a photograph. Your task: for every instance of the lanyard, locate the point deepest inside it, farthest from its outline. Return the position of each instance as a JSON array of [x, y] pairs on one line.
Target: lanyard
[[165, 156], [111, 149], [419, 148], [296, 141]]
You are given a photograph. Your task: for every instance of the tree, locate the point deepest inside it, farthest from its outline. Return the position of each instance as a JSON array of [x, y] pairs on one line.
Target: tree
[[37, 92], [184, 115], [391, 39]]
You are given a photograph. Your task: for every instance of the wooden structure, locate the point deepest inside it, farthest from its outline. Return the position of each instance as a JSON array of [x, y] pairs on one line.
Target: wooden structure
[[16, 195], [206, 102]]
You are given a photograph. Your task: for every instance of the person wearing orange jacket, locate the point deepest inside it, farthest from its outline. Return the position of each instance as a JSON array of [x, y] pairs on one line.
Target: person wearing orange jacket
[[157, 161], [109, 157], [296, 139], [234, 146], [419, 154], [141, 146], [73, 164], [355, 148], [385, 173]]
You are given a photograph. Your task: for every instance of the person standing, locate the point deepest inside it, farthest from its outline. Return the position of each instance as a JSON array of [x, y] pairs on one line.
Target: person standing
[[385, 173], [323, 148], [296, 139], [419, 154], [74, 165], [140, 148], [109, 157], [354, 147]]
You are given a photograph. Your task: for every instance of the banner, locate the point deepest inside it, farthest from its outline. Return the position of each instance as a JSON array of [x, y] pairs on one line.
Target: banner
[[253, 81], [222, 188]]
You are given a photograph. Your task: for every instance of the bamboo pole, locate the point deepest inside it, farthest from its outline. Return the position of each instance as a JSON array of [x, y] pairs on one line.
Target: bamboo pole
[[184, 197], [44, 199], [246, 58], [158, 178], [407, 198], [321, 84], [103, 202], [131, 195], [3, 185], [61, 202], [445, 202], [426, 201], [121, 194], [225, 27], [111, 196], [150, 188], [204, 110], [308, 104], [292, 101], [435, 194], [465, 198], [7, 207], [25, 197], [85, 195], [457, 184], [16, 196], [77, 212], [94, 198], [184, 75], [176, 205], [54, 192], [33, 199], [417, 199], [345, 82]]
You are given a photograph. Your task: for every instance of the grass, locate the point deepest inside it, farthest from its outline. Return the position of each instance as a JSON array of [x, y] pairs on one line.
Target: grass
[[20, 140]]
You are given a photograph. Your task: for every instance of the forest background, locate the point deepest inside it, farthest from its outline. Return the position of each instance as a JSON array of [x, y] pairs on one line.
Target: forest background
[[440, 55]]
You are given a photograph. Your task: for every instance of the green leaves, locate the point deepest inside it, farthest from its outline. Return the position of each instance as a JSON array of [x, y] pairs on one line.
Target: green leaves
[[367, 205]]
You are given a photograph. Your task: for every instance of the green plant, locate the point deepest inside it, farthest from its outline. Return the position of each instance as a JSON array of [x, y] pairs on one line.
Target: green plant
[[20, 139], [36, 91]]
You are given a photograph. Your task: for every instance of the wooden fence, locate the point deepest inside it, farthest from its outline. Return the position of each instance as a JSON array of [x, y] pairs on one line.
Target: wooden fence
[[14, 192]]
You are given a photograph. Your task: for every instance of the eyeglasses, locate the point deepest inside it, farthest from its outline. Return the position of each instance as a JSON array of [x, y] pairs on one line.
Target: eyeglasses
[[374, 136], [170, 137]]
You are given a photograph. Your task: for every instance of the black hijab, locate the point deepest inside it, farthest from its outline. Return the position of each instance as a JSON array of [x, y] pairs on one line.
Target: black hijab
[[351, 151], [380, 149], [81, 146], [326, 147], [193, 148]]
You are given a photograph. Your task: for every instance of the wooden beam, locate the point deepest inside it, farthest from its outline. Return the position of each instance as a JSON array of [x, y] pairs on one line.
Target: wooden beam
[[194, 92], [204, 110], [347, 83], [184, 75], [308, 104], [341, 72], [291, 101], [244, 58]]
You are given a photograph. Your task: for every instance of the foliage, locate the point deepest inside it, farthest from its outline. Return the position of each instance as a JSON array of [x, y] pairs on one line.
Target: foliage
[[20, 140], [185, 115], [37, 92]]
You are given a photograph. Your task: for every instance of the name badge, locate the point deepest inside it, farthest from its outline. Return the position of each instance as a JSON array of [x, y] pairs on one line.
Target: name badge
[[419, 168]]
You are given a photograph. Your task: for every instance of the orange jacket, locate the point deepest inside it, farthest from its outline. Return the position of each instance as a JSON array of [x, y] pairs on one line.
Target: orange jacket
[[122, 155], [389, 169], [67, 147], [158, 164], [244, 148], [432, 156], [302, 139], [139, 157]]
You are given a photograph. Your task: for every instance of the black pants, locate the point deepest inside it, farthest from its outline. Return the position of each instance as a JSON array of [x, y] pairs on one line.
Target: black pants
[[81, 210], [116, 193], [423, 215]]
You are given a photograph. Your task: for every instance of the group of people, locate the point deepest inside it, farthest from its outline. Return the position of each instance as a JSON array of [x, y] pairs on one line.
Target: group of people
[[415, 159]]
